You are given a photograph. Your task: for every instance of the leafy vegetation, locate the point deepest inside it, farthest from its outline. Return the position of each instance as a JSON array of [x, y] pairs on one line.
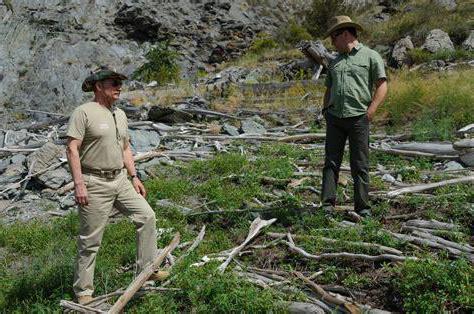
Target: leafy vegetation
[[427, 286], [435, 110], [161, 65], [37, 266]]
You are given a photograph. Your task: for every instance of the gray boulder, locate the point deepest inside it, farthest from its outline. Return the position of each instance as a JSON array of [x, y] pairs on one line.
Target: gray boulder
[[249, 126], [12, 174], [143, 140], [56, 178], [230, 129], [468, 44], [400, 51], [447, 4], [438, 40], [453, 165], [45, 157]]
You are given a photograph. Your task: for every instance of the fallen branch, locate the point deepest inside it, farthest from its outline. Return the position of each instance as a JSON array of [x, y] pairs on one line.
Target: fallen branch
[[413, 153], [465, 248], [69, 305], [424, 187], [351, 307], [195, 244], [354, 243], [255, 228], [143, 276], [348, 256], [432, 224]]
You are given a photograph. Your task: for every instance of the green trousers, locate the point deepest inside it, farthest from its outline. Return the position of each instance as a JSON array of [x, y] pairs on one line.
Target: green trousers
[[338, 130], [104, 195]]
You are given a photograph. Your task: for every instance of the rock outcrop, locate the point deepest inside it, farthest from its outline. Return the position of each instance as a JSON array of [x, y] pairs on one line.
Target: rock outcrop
[[48, 47]]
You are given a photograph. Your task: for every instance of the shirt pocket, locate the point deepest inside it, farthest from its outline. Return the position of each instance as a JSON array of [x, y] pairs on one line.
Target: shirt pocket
[[360, 70]]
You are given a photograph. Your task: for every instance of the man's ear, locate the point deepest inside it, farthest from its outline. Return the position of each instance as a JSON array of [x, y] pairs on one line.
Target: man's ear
[[98, 86]]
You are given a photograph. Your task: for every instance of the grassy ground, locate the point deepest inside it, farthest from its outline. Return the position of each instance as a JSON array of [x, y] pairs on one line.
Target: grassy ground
[[37, 257]]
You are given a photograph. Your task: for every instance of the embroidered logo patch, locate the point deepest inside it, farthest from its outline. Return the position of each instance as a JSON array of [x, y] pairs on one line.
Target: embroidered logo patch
[[103, 126]]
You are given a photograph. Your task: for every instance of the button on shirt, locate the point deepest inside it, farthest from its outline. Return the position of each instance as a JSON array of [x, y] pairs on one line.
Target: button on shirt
[[351, 77]]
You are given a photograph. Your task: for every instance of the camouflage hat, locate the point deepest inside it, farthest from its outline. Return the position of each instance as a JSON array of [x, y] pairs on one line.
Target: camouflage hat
[[100, 74]]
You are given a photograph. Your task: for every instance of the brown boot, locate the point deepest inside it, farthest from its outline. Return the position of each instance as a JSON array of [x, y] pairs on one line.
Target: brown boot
[[159, 275], [85, 299]]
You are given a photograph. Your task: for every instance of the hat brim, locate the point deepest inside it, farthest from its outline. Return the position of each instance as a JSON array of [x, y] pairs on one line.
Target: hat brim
[[88, 84], [343, 25]]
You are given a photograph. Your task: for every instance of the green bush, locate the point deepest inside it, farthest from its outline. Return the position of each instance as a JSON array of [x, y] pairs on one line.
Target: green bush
[[435, 110], [293, 33], [262, 43], [419, 55], [161, 65], [320, 12], [432, 286]]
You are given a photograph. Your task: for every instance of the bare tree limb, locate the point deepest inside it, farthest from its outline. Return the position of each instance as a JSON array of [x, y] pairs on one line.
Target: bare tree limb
[[424, 187], [143, 276]]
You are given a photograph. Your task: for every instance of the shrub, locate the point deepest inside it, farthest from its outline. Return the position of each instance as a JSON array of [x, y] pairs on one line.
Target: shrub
[[320, 12], [419, 55], [435, 110], [432, 286], [161, 65], [262, 42], [293, 33]]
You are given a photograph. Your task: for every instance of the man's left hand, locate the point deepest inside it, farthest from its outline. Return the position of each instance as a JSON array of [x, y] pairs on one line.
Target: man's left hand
[[370, 113], [138, 186]]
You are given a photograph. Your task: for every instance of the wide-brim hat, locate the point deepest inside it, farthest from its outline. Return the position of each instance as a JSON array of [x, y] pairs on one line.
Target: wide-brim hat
[[341, 21], [101, 74]]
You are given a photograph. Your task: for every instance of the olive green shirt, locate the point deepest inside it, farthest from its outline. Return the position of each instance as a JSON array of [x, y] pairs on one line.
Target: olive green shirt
[[103, 136], [351, 77]]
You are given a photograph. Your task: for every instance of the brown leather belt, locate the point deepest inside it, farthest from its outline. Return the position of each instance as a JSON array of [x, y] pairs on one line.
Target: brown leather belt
[[108, 174]]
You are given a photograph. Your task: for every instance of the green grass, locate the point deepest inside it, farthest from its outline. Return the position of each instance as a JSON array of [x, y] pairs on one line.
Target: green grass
[[428, 285], [37, 267], [435, 110], [422, 18]]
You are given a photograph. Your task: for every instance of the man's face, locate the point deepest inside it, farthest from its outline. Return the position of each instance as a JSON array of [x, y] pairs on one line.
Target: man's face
[[338, 40], [110, 89]]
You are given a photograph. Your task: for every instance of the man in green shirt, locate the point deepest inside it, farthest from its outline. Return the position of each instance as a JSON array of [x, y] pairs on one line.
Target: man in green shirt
[[356, 85]]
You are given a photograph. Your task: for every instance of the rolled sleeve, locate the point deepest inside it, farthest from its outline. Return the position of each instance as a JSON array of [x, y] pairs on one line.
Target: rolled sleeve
[[377, 67], [77, 125]]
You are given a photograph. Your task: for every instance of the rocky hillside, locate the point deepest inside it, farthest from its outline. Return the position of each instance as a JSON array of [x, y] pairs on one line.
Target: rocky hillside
[[48, 46]]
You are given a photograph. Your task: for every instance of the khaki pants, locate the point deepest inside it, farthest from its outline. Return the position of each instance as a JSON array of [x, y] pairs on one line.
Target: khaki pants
[[104, 195]]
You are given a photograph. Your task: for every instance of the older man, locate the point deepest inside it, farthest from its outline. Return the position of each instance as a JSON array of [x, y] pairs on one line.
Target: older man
[[100, 158], [356, 85]]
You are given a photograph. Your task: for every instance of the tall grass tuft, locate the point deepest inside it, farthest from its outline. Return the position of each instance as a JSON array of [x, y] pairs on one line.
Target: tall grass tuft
[[435, 104]]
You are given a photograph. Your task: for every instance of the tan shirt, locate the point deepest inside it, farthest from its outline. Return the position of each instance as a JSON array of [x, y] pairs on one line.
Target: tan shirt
[[103, 137]]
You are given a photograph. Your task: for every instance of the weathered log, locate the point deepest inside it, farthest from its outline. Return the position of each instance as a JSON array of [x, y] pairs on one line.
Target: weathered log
[[78, 307], [414, 153], [316, 51], [462, 247], [348, 256], [255, 228], [432, 224], [354, 243], [138, 282], [351, 307], [429, 186], [304, 308]]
